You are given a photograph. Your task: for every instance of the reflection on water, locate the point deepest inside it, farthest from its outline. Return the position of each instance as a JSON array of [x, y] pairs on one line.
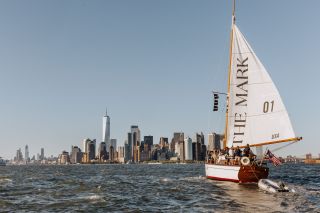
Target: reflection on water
[[160, 188]]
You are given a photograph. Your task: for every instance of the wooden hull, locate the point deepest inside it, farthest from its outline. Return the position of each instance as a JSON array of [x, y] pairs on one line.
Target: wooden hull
[[236, 173]]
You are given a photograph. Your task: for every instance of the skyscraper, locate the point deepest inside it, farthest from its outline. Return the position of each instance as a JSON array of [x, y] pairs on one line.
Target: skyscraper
[[26, 154], [106, 130], [113, 149], [75, 155], [19, 156], [113, 143], [177, 137], [163, 142], [134, 139], [91, 147], [148, 140], [128, 148], [42, 154], [188, 148], [102, 152], [211, 141]]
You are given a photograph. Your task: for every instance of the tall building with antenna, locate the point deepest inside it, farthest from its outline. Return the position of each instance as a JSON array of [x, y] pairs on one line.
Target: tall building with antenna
[[106, 130]]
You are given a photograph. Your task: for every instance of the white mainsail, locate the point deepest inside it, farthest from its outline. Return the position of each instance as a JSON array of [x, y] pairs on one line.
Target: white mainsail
[[256, 113]]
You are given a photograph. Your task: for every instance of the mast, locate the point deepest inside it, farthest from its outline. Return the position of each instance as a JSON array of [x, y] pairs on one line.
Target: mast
[[229, 74]]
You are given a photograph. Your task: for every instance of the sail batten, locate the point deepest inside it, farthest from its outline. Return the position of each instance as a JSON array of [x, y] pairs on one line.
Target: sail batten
[[255, 109]]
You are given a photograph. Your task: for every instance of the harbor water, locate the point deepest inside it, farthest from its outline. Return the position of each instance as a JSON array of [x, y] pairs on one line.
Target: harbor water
[[150, 188]]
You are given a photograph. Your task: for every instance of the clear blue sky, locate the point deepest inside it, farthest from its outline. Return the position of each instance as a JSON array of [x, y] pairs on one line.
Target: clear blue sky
[[153, 63]]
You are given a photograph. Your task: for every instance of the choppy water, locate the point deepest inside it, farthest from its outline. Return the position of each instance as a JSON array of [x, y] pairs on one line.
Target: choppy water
[[150, 188]]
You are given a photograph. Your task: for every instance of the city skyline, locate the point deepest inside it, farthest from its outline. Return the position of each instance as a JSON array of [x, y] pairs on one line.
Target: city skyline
[[154, 64]]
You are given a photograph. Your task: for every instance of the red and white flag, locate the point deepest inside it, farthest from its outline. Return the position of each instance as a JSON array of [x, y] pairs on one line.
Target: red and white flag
[[276, 161]]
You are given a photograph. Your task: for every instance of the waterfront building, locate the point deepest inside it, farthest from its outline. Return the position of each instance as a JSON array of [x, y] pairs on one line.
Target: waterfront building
[[310, 160], [129, 147], [182, 150], [195, 151], [177, 137], [113, 143], [164, 143], [64, 158], [111, 154], [214, 141], [145, 155], [106, 130], [210, 142], [85, 158], [188, 148], [309, 156], [113, 151], [19, 156], [136, 157], [42, 154], [102, 152], [76, 155], [84, 143], [91, 147], [199, 148], [177, 149], [134, 139], [121, 154], [154, 152], [145, 148], [148, 140], [127, 150], [26, 154]]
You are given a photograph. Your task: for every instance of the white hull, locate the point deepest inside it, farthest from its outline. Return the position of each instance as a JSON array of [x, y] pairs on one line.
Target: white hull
[[221, 172], [236, 173]]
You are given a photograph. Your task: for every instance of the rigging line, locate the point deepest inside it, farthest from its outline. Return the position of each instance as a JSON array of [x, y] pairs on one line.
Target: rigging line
[[279, 148], [253, 172]]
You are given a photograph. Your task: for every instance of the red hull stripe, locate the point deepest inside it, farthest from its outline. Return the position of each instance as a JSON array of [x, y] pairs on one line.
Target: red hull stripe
[[223, 179]]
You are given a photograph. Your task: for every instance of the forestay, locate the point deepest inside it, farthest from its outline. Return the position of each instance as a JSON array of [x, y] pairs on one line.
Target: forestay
[[256, 113]]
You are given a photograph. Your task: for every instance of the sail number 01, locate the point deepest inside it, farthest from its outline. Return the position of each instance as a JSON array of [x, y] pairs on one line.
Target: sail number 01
[[268, 106]]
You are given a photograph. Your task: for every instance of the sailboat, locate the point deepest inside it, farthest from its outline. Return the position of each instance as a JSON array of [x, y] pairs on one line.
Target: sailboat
[[255, 113]]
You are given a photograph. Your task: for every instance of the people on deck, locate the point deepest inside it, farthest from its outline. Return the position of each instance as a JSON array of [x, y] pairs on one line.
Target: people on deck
[[237, 154], [231, 156], [221, 155], [231, 152], [247, 152]]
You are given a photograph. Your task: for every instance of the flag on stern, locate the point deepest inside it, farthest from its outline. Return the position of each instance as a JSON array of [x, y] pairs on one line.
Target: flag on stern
[[273, 158]]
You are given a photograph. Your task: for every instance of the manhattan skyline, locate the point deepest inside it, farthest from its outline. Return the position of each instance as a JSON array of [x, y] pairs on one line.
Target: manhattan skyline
[[153, 63]]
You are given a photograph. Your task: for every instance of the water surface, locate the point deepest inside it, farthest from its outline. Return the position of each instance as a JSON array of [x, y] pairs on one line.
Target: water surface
[[150, 188]]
